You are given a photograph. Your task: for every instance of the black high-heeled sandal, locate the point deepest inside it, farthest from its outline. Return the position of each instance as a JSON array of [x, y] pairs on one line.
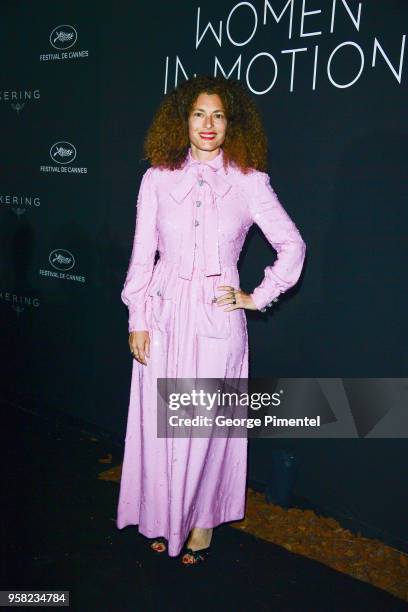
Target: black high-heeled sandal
[[159, 540], [198, 555]]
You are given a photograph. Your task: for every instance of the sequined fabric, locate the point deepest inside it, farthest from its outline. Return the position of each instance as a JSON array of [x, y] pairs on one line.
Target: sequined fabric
[[197, 218]]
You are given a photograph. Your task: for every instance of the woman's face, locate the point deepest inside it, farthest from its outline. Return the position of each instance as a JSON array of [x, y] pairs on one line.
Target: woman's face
[[207, 123]]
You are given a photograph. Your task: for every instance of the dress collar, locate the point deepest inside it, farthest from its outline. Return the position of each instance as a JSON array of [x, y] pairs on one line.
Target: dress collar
[[216, 162], [211, 172]]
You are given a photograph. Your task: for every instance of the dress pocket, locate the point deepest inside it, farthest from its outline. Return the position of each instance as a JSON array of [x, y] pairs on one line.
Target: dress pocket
[[212, 320], [161, 308]]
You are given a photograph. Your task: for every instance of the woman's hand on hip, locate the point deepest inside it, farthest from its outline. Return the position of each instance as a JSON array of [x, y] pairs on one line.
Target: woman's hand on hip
[[139, 344], [242, 299]]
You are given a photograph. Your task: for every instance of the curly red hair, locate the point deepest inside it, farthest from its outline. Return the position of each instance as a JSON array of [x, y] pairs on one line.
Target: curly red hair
[[167, 141]]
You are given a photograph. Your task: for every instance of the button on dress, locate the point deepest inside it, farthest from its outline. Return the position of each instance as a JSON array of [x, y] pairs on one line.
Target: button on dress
[[197, 218]]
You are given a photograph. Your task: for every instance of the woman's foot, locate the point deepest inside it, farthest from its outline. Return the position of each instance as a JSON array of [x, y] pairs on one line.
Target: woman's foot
[[158, 544], [198, 540]]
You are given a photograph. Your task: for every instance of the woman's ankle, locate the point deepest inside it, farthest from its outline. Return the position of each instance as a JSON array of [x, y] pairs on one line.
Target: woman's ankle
[[199, 538]]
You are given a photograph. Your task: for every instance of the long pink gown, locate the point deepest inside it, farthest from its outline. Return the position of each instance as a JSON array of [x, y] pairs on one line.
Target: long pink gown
[[197, 218]]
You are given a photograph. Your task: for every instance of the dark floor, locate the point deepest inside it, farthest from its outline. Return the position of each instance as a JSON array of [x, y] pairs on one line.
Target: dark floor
[[60, 534]]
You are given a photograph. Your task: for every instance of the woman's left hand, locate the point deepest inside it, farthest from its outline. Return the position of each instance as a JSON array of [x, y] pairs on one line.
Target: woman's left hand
[[243, 300]]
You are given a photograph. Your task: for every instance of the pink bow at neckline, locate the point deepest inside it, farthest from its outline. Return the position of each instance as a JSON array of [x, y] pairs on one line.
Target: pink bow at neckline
[[192, 174]]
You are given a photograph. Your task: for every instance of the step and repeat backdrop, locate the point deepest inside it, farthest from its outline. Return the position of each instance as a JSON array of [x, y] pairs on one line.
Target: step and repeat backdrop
[[80, 83]]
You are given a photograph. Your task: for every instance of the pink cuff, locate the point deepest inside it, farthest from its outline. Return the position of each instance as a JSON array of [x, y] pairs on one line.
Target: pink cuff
[[137, 318], [262, 302]]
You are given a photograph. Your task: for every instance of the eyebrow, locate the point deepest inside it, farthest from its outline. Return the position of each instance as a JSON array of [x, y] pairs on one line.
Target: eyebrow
[[219, 110]]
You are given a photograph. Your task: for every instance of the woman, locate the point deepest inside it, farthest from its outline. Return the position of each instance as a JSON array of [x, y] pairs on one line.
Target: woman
[[206, 186]]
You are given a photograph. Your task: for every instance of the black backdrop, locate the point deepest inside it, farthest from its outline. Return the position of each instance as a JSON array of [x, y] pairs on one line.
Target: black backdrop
[[80, 84]]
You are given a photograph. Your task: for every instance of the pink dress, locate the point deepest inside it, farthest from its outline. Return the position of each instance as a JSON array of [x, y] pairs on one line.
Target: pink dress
[[197, 217]]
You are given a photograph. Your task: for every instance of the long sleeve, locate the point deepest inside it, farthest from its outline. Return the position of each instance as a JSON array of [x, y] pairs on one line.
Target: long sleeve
[[143, 253], [281, 232]]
